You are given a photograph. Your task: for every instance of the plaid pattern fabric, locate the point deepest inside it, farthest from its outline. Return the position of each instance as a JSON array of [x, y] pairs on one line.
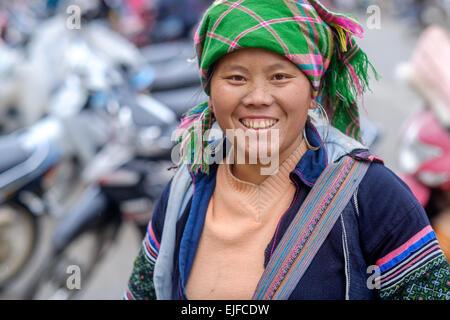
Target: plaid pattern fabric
[[291, 28]]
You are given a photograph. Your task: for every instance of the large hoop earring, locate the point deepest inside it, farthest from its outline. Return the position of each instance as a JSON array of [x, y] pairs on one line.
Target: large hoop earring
[[322, 111], [308, 145]]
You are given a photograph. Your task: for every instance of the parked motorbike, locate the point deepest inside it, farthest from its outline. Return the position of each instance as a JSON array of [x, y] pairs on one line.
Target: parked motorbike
[[40, 165], [177, 83], [125, 181], [56, 47], [10, 68], [41, 174], [38, 171], [424, 151]]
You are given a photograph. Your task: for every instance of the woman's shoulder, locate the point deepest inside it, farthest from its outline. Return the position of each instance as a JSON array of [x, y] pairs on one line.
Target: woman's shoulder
[[387, 198], [388, 212], [381, 182]]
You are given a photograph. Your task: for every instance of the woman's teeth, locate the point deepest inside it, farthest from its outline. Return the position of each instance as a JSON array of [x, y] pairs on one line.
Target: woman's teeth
[[265, 124]]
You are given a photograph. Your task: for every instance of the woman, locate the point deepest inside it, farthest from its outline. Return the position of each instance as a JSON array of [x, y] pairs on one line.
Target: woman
[[328, 220]]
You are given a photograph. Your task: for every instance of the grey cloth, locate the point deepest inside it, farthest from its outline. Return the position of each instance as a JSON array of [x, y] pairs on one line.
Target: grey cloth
[[181, 191], [337, 144]]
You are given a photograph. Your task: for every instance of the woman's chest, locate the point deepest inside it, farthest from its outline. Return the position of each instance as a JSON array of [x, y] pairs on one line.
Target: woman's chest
[[228, 264]]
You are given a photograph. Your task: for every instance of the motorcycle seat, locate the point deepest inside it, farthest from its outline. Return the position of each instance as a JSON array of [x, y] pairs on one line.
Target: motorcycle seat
[[12, 154]]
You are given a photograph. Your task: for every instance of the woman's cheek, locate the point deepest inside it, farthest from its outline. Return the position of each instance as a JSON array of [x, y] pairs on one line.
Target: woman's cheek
[[224, 118]]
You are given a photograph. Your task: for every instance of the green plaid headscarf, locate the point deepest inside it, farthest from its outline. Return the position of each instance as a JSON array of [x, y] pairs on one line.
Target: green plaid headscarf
[[318, 41]]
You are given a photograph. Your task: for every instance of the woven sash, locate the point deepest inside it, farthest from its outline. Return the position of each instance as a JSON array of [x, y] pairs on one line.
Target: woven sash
[[309, 229]]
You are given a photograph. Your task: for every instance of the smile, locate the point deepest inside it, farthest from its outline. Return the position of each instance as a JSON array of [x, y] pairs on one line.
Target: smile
[[258, 123]]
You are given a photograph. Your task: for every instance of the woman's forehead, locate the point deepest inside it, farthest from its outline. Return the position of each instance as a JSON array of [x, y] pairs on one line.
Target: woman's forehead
[[266, 59]]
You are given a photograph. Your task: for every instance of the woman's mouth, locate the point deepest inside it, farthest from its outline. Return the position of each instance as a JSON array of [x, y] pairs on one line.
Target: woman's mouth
[[257, 124]]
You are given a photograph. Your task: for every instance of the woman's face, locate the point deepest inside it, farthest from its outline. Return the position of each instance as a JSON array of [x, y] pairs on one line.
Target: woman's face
[[261, 93]]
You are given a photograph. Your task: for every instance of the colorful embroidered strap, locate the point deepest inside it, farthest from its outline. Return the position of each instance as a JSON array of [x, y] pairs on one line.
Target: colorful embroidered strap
[[310, 228]]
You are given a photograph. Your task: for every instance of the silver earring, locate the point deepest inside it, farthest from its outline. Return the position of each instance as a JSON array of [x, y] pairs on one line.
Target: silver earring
[[308, 145], [322, 111]]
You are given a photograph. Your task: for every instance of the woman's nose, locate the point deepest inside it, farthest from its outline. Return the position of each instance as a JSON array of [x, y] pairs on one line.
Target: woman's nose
[[258, 95]]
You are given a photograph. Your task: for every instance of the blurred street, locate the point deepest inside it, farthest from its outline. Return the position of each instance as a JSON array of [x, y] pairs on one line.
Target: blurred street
[[391, 101], [388, 106], [108, 281]]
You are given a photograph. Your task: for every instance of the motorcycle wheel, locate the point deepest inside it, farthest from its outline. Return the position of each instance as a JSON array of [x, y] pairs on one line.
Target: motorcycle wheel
[[63, 276], [18, 238]]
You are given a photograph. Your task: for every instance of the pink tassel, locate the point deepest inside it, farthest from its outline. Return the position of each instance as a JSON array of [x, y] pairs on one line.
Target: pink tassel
[[338, 21], [355, 79]]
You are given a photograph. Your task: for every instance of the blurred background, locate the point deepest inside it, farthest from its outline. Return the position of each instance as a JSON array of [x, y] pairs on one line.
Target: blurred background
[[91, 91]]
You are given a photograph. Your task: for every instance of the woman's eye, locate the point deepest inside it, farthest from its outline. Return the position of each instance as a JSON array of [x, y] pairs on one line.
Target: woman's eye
[[280, 76], [237, 78]]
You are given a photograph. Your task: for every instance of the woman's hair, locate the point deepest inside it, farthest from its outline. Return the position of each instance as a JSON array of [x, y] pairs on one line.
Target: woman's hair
[[209, 76]]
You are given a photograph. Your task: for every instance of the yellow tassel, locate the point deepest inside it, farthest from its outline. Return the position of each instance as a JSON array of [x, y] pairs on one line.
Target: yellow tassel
[[342, 37]]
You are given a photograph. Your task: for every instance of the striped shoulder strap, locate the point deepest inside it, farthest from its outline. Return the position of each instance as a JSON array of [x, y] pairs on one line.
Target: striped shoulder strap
[[310, 227]]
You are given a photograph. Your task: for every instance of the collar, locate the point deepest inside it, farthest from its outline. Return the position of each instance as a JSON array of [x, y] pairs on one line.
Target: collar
[[312, 164]]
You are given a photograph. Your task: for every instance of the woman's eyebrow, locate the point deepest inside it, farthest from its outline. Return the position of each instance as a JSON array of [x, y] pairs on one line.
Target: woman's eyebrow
[[235, 67], [238, 67], [276, 66]]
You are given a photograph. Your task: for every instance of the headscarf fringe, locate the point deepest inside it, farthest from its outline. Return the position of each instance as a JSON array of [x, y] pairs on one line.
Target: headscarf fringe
[[347, 76], [345, 81], [344, 25], [190, 135]]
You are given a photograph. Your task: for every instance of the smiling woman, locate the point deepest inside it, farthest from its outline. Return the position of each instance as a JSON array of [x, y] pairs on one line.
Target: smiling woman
[[327, 217], [259, 91]]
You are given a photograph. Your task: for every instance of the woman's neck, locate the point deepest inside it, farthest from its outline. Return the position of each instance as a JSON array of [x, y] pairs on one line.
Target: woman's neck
[[253, 173]]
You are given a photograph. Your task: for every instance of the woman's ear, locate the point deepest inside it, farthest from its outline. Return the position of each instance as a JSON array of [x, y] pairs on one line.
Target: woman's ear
[[210, 106], [312, 104]]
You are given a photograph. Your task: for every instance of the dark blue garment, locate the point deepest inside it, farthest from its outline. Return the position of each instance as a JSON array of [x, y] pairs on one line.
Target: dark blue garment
[[382, 216]]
